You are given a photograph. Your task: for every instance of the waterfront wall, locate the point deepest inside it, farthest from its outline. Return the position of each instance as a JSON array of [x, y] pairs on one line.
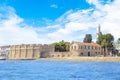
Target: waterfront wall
[[37, 51], [30, 51]]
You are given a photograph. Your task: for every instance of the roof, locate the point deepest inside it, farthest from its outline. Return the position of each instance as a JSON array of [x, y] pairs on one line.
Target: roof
[[5, 46], [88, 44]]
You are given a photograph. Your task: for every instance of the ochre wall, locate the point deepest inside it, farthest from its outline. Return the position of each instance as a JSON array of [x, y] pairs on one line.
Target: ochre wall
[[29, 51]]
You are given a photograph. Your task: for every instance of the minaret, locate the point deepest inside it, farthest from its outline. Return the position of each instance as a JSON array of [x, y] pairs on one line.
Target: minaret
[[99, 30]]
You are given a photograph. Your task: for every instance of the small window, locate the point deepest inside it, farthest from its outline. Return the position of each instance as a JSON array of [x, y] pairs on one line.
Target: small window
[[81, 53], [71, 47], [85, 47], [95, 52], [81, 47], [95, 48], [99, 48], [74, 47], [92, 47], [88, 47], [52, 55], [98, 52]]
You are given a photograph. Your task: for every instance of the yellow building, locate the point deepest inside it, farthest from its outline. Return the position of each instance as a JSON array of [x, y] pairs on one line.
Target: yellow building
[[85, 49]]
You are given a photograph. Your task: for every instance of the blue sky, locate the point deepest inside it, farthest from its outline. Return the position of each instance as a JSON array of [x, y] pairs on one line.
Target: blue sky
[[39, 10], [51, 9], [48, 21]]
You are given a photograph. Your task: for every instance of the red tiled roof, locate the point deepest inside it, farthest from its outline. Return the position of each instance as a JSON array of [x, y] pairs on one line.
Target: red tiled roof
[[88, 44]]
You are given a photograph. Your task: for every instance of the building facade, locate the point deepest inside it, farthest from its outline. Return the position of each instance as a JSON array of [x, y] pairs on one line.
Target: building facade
[[30, 51], [4, 52], [85, 49]]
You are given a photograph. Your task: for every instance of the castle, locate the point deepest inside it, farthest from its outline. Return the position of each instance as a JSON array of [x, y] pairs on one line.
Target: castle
[[30, 51], [37, 51]]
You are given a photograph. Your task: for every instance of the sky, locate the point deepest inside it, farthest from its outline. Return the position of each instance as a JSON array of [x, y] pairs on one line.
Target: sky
[[48, 21]]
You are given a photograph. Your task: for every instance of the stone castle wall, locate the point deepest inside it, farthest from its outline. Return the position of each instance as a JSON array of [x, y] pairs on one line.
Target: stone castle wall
[[30, 51]]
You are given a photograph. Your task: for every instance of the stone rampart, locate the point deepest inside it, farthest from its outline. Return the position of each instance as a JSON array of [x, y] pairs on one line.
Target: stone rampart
[[29, 51]]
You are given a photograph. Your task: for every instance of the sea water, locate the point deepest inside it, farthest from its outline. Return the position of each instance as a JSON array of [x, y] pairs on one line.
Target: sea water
[[58, 70]]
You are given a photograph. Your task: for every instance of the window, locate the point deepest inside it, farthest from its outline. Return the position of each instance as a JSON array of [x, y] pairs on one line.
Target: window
[[52, 55], [92, 47], [85, 47], [95, 48], [98, 52], [88, 47], [81, 53], [74, 47], [99, 48], [95, 52], [81, 47], [71, 47]]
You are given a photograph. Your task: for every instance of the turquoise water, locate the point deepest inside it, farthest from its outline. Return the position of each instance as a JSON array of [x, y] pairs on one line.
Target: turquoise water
[[59, 70]]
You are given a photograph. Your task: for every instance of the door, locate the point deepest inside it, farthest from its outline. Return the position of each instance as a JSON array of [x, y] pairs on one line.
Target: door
[[88, 53]]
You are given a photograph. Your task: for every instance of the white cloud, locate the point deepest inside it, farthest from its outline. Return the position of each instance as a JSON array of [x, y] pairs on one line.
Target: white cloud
[[71, 26], [13, 30], [54, 6], [83, 21]]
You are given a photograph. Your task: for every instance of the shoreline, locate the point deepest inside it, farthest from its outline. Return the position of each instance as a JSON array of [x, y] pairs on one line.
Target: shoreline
[[80, 59], [96, 59]]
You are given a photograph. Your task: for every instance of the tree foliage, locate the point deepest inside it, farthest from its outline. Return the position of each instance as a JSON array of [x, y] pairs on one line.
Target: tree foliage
[[88, 38], [62, 46], [106, 41], [117, 44]]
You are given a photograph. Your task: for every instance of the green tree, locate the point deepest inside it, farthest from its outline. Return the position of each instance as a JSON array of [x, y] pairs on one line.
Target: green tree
[[88, 38], [62, 46], [106, 41], [56, 47], [117, 45]]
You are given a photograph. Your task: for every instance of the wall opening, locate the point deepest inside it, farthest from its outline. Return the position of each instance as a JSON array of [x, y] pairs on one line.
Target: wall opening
[[81, 54], [88, 53]]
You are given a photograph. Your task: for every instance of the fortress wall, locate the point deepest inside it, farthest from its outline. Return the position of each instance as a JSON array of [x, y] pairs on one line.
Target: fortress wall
[[46, 50], [36, 53], [23, 52], [29, 51], [17, 52]]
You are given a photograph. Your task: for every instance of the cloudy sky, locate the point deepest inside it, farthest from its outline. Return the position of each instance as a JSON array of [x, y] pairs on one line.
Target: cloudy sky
[[48, 21]]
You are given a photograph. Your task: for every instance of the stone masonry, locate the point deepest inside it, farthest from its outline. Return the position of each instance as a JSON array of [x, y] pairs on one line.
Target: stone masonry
[[30, 51]]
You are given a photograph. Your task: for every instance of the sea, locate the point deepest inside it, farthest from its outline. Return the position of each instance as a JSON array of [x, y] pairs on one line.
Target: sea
[[58, 70]]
